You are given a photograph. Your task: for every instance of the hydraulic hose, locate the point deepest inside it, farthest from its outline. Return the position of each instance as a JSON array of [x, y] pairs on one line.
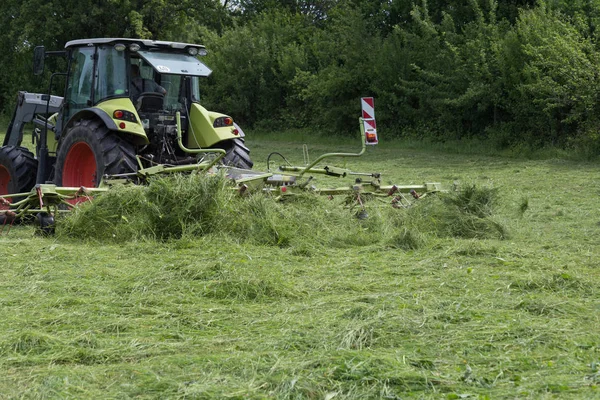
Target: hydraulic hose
[[221, 152], [329, 155]]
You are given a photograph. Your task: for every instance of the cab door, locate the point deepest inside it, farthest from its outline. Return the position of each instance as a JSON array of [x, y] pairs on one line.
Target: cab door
[[79, 93]]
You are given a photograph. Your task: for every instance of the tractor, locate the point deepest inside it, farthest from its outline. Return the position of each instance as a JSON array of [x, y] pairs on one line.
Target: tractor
[[131, 110], [128, 105]]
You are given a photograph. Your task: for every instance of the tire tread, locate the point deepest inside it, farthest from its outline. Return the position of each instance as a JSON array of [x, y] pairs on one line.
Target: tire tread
[[23, 163]]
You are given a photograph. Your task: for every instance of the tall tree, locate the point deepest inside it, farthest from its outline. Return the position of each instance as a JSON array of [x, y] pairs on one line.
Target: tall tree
[[254, 65], [27, 23], [554, 71]]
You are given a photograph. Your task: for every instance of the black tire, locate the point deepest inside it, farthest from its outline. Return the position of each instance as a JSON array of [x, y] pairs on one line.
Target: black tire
[[18, 170], [88, 151], [46, 224], [238, 155]]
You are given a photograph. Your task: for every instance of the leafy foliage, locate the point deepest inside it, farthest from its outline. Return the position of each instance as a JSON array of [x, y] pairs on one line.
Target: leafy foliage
[[520, 73]]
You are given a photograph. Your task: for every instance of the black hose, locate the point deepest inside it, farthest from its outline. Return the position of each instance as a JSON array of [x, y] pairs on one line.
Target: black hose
[[269, 160]]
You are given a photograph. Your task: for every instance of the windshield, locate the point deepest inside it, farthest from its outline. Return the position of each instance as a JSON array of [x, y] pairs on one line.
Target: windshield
[[175, 63]]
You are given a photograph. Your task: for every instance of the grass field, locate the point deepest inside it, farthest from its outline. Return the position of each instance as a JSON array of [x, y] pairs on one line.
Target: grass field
[[332, 315]]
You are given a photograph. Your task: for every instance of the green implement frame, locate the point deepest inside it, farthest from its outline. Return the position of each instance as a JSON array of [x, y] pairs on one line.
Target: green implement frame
[[47, 200]]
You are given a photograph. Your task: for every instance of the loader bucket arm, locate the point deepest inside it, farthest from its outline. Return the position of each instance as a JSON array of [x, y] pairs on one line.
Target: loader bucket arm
[[28, 106]]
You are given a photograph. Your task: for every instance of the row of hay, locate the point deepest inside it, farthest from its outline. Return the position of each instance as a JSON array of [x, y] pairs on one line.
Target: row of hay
[[189, 206]]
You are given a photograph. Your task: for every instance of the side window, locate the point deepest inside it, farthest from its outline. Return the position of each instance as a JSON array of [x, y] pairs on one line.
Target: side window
[[146, 71], [195, 89], [172, 83], [79, 85], [111, 78]]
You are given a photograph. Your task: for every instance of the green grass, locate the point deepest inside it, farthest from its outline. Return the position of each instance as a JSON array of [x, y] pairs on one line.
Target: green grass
[[402, 305]]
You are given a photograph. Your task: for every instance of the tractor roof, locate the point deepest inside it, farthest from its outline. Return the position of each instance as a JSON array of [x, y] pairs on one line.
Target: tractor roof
[[157, 44]]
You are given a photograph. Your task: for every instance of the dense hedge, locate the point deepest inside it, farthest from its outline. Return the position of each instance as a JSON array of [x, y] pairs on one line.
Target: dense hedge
[[514, 71]]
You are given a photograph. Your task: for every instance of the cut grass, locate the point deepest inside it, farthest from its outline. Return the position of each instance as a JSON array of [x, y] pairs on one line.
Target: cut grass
[[396, 306], [190, 206]]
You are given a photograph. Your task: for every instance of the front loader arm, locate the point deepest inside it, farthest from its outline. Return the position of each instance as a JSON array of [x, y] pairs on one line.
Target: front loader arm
[[28, 106]]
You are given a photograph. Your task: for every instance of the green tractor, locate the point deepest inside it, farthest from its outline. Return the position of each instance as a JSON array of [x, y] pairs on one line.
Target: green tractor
[[128, 105]]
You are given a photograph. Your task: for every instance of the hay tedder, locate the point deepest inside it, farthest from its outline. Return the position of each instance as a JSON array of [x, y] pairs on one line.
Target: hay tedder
[[131, 110]]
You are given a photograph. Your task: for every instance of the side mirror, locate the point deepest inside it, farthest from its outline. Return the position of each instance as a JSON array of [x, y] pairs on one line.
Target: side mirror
[[39, 55]]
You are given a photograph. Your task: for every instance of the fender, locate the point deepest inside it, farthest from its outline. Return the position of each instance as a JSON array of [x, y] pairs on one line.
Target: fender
[[104, 111], [202, 133]]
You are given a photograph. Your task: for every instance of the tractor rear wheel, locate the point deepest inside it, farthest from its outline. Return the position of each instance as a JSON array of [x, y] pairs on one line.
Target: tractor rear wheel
[[18, 169], [88, 151], [237, 154]]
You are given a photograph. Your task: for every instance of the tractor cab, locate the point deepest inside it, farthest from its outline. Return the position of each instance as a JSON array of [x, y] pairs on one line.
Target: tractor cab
[[155, 76]]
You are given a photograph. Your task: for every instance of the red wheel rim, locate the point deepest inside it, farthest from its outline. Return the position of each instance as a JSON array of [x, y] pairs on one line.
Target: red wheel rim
[[80, 166], [4, 180], [79, 169]]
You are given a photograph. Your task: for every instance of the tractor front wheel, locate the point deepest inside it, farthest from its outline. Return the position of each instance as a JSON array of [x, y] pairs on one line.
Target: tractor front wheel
[[88, 151], [18, 169]]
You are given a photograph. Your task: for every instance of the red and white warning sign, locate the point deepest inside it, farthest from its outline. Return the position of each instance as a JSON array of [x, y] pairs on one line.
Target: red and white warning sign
[[368, 117]]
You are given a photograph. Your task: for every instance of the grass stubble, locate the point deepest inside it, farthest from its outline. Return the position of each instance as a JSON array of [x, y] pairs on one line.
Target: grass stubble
[[167, 292]]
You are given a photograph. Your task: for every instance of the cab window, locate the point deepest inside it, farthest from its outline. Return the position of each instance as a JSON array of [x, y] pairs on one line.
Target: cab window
[[111, 78], [79, 84]]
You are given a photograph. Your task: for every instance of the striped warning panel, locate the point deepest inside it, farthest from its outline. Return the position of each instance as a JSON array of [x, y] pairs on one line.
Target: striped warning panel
[[368, 116], [368, 107]]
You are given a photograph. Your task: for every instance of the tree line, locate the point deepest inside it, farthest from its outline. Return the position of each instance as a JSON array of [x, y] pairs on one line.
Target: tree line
[[512, 72]]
